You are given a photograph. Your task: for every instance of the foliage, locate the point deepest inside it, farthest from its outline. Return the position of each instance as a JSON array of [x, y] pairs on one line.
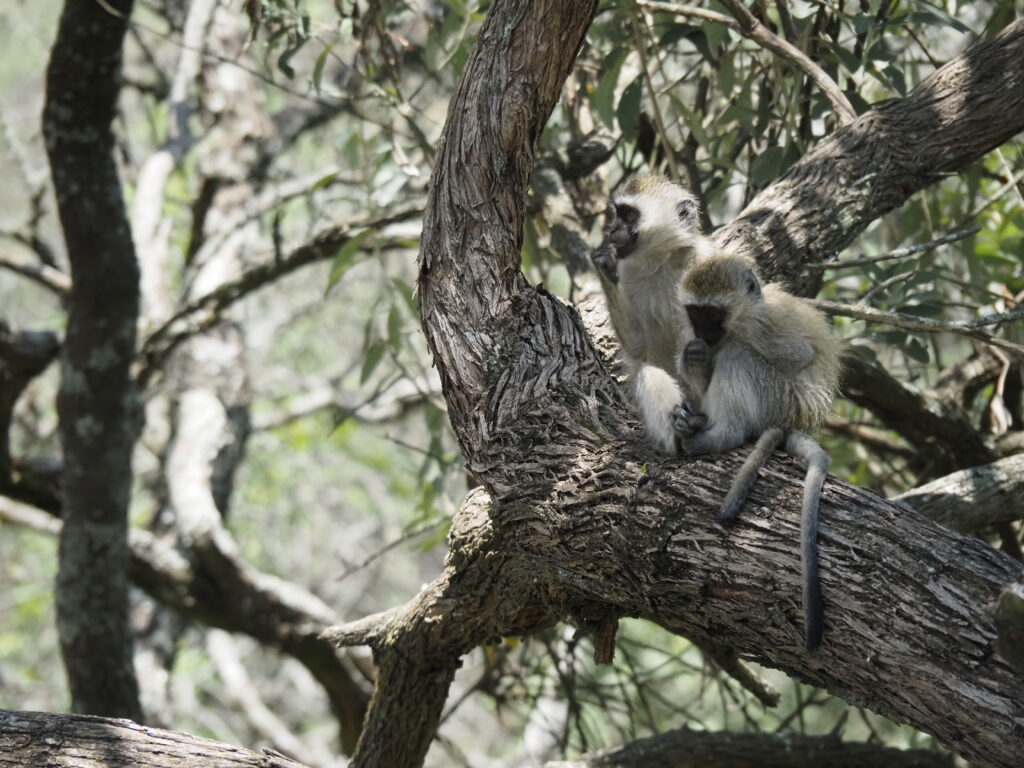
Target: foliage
[[351, 449]]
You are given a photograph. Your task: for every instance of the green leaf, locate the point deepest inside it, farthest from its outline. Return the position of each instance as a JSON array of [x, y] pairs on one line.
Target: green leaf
[[602, 98], [917, 351], [394, 329], [346, 258], [373, 357], [766, 166], [934, 16], [628, 111], [318, 68], [323, 181]]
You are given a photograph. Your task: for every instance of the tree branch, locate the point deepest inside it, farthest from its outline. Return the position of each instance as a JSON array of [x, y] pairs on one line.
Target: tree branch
[[955, 116], [970, 328], [684, 748], [96, 403], [972, 499], [41, 738]]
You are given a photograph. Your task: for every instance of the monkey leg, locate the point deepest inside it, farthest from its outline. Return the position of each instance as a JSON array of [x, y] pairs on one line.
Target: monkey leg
[[744, 480], [658, 396], [805, 448]]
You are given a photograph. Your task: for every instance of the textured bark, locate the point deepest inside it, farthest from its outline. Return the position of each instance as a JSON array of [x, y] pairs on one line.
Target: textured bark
[[96, 403], [868, 168], [584, 521], [975, 499], [946, 438], [23, 356], [31, 739], [697, 749]]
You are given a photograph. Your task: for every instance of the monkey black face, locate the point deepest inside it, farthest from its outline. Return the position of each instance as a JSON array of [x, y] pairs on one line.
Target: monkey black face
[[708, 321], [621, 227]]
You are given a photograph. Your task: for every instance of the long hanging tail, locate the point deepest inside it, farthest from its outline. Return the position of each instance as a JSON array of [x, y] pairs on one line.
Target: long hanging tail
[[744, 480], [805, 448]]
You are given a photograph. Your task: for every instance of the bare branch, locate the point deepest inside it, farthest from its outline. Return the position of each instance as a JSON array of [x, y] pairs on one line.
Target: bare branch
[[204, 311], [972, 499], [969, 328], [899, 253], [52, 279]]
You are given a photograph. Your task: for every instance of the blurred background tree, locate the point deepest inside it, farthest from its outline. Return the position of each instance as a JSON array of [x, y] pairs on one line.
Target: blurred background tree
[[296, 458]]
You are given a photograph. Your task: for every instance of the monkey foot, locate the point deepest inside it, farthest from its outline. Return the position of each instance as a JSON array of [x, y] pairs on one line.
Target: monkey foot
[[687, 420]]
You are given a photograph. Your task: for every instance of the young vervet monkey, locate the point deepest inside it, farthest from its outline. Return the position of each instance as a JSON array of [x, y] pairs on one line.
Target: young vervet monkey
[[764, 365], [651, 238]]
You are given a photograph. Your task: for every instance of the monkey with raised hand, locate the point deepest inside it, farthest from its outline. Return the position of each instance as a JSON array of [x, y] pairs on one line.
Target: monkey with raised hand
[[764, 364], [652, 238]]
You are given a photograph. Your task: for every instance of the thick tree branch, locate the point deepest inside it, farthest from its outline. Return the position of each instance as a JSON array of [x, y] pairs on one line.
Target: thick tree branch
[[235, 597], [696, 749], [943, 435], [41, 738], [973, 499], [584, 521], [96, 402], [957, 115]]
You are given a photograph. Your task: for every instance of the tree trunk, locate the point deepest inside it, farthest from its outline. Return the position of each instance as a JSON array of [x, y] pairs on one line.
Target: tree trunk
[[583, 521], [97, 405]]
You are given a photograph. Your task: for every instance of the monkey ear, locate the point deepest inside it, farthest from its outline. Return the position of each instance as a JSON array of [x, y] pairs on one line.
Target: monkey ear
[[687, 212]]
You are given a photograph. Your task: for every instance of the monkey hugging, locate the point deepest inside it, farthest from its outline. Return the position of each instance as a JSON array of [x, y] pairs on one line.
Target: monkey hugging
[[714, 358]]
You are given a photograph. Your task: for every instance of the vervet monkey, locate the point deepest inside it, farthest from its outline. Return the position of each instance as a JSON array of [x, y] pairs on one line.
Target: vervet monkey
[[651, 238], [763, 364]]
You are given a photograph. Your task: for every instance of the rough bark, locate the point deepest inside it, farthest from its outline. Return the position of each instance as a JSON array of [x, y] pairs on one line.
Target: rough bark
[[66, 741], [696, 749], [23, 356], [945, 438], [227, 593], [975, 499], [868, 168], [584, 521], [96, 403]]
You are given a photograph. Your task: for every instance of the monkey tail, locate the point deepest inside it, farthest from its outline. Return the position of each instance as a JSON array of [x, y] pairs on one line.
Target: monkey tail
[[807, 449], [745, 478]]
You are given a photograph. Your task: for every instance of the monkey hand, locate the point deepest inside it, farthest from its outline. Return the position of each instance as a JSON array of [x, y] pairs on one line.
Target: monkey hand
[[605, 262], [687, 420], [696, 353]]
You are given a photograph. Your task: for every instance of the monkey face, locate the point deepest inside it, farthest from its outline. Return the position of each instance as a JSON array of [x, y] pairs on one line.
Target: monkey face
[[621, 222], [708, 321]]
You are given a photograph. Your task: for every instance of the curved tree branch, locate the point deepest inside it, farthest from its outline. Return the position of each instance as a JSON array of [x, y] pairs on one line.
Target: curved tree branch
[[955, 116], [583, 521]]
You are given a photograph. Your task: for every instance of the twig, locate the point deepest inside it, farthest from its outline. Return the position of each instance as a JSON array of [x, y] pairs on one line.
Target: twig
[[900, 253], [970, 328], [747, 25], [865, 300], [48, 277], [204, 311], [670, 154]]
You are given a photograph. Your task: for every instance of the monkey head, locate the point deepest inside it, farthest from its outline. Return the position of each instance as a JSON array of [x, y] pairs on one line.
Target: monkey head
[[720, 293], [651, 215]]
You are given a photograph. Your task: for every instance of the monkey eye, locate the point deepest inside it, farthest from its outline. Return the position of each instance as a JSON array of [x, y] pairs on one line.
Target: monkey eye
[[752, 285], [630, 216]]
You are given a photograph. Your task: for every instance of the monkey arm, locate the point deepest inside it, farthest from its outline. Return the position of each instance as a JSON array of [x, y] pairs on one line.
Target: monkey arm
[[658, 397]]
